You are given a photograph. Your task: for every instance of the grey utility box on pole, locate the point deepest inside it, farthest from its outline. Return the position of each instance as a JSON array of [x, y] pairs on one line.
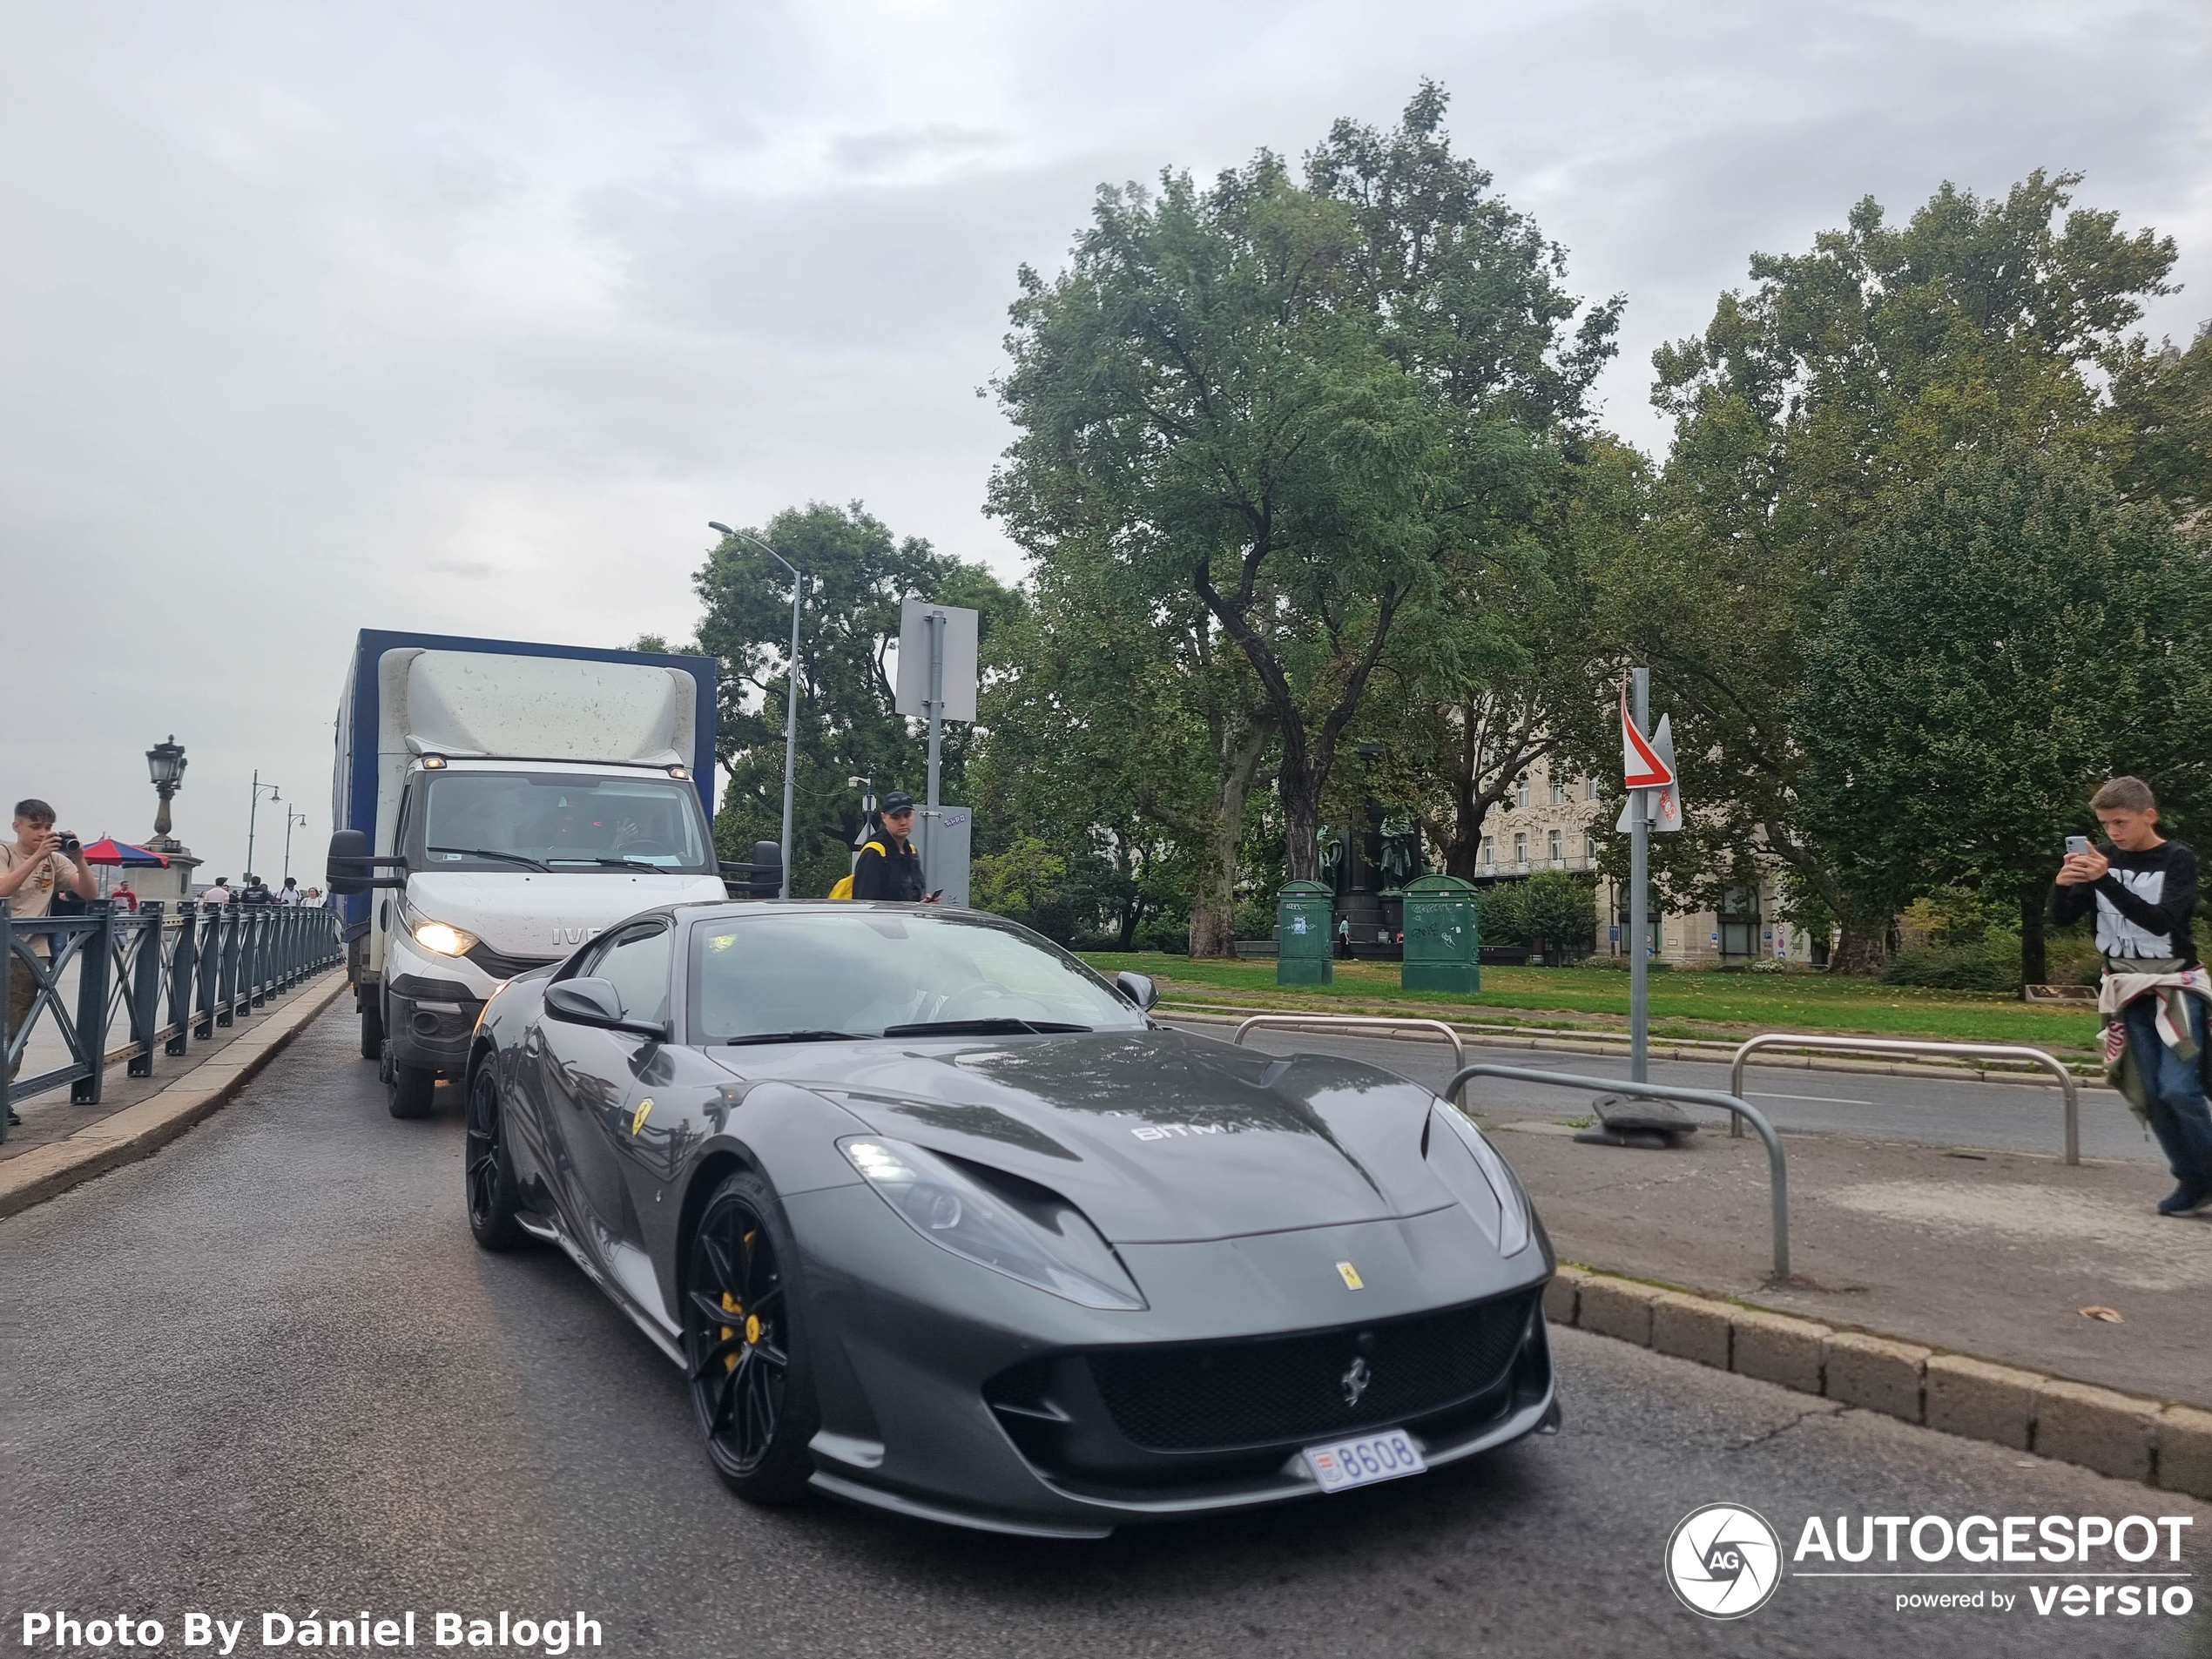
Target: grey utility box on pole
[[937, 682], [945, 831]]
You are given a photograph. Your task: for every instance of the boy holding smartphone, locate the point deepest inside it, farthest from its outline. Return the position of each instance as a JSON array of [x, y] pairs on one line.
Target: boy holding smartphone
[[2154, 993]]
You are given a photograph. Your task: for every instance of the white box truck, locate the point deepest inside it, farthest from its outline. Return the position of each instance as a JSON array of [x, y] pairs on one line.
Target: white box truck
[[496, 805]]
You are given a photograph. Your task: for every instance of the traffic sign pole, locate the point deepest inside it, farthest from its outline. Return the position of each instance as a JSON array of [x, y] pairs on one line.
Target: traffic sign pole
[[1639, 898]]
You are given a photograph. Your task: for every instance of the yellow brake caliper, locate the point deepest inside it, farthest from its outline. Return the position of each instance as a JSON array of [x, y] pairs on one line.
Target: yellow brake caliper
[[730, 1304]]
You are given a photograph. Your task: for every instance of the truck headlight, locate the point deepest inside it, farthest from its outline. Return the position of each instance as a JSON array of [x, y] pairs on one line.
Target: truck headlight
[[1039, 1238], [444, 938]]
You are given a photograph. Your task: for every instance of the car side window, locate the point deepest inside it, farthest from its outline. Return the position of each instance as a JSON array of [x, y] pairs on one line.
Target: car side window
[[635, 963]]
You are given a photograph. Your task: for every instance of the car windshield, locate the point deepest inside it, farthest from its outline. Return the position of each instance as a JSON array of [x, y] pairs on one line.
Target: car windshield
[[497, 821], [861, 971]]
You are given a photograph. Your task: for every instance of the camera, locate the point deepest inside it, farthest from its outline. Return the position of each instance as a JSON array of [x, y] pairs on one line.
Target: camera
[[70, 844]]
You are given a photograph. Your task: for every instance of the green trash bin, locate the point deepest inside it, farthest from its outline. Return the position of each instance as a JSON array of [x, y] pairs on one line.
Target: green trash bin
[[1305, 911], [1443, 937]]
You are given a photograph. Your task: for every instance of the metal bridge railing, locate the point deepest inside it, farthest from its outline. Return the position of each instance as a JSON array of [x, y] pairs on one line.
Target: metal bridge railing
[[2068, 1088], [113, 984]]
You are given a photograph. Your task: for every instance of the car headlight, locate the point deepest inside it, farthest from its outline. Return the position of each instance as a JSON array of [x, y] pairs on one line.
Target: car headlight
[[1042, 1240], [444, 938], [1470, 1167]]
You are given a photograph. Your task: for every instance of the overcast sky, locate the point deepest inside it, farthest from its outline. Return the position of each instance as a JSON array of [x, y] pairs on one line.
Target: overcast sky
[[467, 317]]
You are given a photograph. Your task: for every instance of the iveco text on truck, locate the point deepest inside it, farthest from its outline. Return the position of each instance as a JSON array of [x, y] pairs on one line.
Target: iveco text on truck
[[497, 804]]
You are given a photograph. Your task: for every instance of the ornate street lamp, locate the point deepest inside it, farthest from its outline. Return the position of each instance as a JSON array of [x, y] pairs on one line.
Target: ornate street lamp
[[165, 762]]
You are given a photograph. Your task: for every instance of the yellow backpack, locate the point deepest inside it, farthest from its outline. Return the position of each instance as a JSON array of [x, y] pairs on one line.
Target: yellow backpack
[[844, 888]]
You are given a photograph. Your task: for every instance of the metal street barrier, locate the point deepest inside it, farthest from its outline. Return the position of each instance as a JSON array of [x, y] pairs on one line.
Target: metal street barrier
[[1738, 1109], [2068, 1085], [1353, 1022], [1777, 1168], [143, 978]]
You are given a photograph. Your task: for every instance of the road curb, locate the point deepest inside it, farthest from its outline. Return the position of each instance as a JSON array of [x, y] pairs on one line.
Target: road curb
[[139, 1131], [1611, 1047], [2155, 1442]]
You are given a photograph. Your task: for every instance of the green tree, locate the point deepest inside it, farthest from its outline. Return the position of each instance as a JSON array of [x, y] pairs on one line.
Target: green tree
[[2162, 400], [1019, 881], [1810, 405], [1554, 908], [1098, 743], [1279, 407], [2010, 636], [856, 572]]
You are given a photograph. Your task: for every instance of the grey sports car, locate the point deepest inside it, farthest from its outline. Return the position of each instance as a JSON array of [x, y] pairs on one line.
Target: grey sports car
[[936, 1218]]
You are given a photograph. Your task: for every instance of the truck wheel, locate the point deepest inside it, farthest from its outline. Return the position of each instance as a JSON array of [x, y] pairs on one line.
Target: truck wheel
[[372, 1031], [409, 1092]]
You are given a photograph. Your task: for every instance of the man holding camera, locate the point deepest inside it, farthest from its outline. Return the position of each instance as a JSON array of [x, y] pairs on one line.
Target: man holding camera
[[35, 866]]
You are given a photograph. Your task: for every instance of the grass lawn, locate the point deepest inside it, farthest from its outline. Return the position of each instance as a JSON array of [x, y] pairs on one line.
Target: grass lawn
[[1682, 1004]]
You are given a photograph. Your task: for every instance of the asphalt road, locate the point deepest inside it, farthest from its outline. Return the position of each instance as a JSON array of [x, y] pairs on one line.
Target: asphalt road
[[267, 1371], [2005, 1117]]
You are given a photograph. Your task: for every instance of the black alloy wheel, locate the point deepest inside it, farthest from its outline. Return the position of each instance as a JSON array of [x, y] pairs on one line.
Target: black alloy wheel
[[750, 1387], [495, 1202]]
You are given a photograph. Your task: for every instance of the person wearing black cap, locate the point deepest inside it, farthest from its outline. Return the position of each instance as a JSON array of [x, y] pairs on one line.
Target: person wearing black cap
[[889, 866]]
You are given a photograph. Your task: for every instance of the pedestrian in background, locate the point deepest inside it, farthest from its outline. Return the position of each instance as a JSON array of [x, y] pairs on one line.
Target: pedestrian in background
[[219, 895], [889, 867], [256, 893], [2154, 992], [34, 867], [124, 896], [289, 895]]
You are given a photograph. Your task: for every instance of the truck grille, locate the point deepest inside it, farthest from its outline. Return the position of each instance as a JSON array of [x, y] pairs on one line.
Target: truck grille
[[1220, 1395], [502, 966]]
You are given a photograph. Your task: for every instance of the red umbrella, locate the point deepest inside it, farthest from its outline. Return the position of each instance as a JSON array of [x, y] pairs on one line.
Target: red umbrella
[[108, 849]]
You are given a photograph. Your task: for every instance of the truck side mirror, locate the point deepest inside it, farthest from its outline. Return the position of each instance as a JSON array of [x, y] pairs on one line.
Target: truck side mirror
[[349, 869], [767, 878], [763, 876], [352, 870]]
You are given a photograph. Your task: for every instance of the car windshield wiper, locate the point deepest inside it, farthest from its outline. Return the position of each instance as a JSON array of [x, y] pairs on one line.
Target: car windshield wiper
[[796, 1036], [487, 852], [977, 1027], [611, 863]]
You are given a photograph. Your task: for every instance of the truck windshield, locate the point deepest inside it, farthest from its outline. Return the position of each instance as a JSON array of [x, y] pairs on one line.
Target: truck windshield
[[491, 821]]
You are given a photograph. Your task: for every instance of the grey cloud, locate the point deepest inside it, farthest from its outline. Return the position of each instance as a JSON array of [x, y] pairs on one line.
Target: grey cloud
[[469, 317]]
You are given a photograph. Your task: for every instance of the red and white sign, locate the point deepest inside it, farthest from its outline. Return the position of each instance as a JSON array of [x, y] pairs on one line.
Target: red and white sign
[[1640, 764]]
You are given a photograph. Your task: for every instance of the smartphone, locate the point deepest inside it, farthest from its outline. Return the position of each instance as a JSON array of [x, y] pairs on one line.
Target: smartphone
[[933, 897], [2076, 846]]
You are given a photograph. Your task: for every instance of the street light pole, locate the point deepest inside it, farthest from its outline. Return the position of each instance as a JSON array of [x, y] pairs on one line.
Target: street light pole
[[791, 702], [290, 819], [254, 811]]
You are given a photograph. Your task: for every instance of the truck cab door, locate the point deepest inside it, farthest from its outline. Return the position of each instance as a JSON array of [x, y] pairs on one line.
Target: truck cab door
[[593, 1081]]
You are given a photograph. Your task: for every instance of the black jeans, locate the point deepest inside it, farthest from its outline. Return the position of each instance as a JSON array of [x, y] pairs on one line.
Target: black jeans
[[2175, 1091]]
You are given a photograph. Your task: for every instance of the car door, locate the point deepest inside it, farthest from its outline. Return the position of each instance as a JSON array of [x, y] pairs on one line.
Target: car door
[[594, 1083]]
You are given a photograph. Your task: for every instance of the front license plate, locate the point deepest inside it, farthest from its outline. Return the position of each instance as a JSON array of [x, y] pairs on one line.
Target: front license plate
[[1360, 1462]]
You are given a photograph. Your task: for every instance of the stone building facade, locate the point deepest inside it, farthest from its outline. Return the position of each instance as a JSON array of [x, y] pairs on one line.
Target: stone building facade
[[1556, 821]]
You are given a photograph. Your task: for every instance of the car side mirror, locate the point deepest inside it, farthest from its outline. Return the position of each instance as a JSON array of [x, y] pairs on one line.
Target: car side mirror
[[1138, 987], [595, 1002]]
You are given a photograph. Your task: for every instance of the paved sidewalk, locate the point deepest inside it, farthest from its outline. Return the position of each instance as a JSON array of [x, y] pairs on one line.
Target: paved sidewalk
[[74, 1144], [1991, 1254], [52, 1115]]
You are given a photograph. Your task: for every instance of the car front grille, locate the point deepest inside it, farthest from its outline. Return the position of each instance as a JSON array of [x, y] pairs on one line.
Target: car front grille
[[1219, 1395], [499, 965]]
